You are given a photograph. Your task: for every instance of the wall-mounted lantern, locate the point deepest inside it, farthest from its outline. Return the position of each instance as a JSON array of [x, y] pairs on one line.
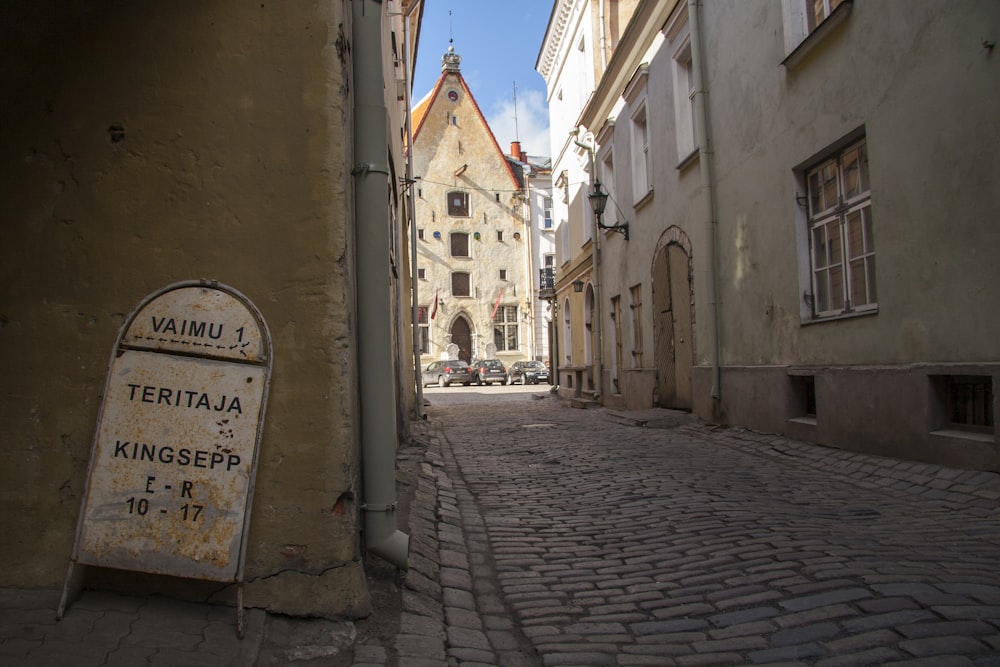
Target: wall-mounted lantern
[[577, 285], [598, 200]]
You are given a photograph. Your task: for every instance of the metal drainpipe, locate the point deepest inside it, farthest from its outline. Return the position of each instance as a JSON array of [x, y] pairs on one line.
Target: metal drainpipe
[[374, 289], [598, 329], [529, 265], [705, 153], [412, 209]]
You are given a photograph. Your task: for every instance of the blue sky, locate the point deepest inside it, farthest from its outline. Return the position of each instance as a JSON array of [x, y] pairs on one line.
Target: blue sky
[[499, 45]]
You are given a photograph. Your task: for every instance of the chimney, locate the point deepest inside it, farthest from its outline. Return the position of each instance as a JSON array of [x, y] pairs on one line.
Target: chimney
[[515, 150]]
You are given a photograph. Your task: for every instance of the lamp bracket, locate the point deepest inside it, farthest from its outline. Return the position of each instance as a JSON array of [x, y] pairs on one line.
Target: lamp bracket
[[621, 229]]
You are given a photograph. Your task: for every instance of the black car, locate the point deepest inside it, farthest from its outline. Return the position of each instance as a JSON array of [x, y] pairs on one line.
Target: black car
[[488, 371], [528, 372], [443, 373]]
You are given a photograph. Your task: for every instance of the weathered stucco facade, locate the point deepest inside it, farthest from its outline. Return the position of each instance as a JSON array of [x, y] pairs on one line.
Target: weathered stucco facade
[[145, 145], [473, 250], [808, 188]]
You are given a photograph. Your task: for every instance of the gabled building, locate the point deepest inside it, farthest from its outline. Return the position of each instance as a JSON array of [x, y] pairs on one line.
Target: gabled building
[[808, 187], [473, 265]]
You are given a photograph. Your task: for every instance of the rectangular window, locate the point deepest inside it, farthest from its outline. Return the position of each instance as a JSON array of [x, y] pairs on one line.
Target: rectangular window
[[460, 284], [425, 330], [499, 236], [547, 278], [547, 207], [459, 244], [607, 177], [505, 329], [970, 401], [841, 234], [678, 32], [420, 234], [687, 140], [421, 274], [635, 293], [806, 23], [818, 10], [458, 204], [503, 274], [550, 260], [640, 154]]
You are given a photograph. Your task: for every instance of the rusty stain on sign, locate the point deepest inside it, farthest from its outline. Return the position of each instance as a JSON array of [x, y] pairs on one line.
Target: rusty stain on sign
[[172, 468]]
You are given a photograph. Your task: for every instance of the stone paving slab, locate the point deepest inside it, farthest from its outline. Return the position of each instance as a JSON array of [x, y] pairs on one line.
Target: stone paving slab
[[650, 538], [544, 535]]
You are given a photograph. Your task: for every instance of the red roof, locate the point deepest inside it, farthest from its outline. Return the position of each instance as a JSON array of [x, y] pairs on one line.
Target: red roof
[[423, 107]]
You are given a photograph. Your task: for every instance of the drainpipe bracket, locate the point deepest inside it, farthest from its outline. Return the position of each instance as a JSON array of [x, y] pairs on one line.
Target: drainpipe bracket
[[366, 168], [378, 507]]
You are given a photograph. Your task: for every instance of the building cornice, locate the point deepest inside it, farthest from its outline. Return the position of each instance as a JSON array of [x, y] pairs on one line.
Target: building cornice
[[641, 33], [554, 36]]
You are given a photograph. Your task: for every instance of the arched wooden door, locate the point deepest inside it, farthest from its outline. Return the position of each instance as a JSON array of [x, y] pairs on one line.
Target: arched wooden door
[[461, 335], [672, 327]]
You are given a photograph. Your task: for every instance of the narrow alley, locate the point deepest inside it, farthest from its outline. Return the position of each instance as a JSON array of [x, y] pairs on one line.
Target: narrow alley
[[580, 537]]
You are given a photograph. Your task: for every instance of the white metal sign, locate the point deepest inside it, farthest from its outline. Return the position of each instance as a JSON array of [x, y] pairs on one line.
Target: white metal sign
[[174, 459]]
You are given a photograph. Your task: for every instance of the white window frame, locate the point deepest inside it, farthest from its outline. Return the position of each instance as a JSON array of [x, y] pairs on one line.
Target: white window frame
[[641, 172], [606, 173], [840, 231], [506, 327], [678, 32], [639, 134], [801, 31], [546, 212], [424, 326], [823, 7]]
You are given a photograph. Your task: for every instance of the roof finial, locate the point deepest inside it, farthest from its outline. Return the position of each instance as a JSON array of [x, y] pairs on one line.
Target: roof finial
[[451, 60]]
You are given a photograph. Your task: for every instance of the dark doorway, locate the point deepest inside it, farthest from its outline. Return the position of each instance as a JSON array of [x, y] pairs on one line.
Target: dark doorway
[[461, 335]]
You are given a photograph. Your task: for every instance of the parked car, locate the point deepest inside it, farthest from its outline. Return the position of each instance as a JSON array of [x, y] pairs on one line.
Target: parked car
[[488, 371], [528, 372], [444, 373]]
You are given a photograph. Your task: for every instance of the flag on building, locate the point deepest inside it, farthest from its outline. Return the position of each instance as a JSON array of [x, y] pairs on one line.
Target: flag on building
[[434, 310], [496, 306]]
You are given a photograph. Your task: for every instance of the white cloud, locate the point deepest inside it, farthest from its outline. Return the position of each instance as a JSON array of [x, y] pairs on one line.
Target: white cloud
[[532, 127]]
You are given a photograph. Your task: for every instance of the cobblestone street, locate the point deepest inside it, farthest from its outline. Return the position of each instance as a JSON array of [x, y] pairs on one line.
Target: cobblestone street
[[580, 537]]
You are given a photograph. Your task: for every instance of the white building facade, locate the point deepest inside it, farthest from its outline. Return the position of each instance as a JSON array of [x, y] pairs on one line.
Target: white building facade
[[473, 260], [808, 188]]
